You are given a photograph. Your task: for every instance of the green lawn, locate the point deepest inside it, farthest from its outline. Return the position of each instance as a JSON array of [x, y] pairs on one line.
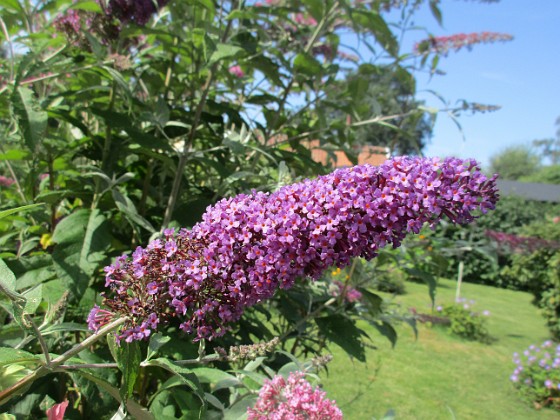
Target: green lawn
[[438, 376]]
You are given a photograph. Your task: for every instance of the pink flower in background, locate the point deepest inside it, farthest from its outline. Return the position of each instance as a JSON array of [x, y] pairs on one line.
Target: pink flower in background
[[351, 295], [56, 412], [236, 71], [6, 182], [292, 399], [301, 19]]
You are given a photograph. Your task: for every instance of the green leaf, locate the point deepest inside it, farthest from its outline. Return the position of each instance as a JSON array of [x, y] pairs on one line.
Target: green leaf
[[387, 330], [436, 12], [214, 401], [12, 5], [81, 241], [342, 331], [316, 8], [122, 121], [428, 278], [128, 359], [372, 21], [7, 279], [15, 154], [126, 206], [157, 341], [136, 410], [10, 356], [372, 302], [238, 411], [119, 80], [88, 6], [289, 368], [32, 119], [208, 375], [7, 287], [224, 51], [64, 327], [32, 270], [185, 375], [307, 64], [6, 213], [262, 99], [33, 299]]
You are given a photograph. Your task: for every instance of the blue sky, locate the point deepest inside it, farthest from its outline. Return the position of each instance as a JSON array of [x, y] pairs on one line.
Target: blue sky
[[523, 76]]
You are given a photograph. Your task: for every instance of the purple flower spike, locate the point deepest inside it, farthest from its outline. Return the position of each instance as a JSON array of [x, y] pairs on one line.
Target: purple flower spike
[[138, 11], [248, 246]]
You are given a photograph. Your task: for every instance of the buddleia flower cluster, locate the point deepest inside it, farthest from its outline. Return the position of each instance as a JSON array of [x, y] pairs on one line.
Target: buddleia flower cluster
[[292, 399], [248, 246], [443, 44], [137, 11], [107, 25]]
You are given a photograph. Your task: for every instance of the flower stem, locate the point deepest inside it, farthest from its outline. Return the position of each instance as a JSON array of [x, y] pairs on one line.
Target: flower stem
[[26, 381]]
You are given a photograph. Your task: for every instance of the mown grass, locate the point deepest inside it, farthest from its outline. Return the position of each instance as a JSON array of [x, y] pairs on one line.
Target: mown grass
[[438, 376]]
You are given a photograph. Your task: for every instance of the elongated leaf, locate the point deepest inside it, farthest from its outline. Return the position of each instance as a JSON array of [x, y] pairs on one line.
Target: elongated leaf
[[436, 12], [81, 240], [307, 64], [128, 360], [157, 341], [372, 302], [136, 410], [6, 213], [186, 375], [372, 21], [238, 411], [345, 333], [64, 327], [33, 299], [387, 330], [10, 355], [126, 205], [7, 279], [122, 121], [7, 287], [224, 51], [212, 376], [32, 119]]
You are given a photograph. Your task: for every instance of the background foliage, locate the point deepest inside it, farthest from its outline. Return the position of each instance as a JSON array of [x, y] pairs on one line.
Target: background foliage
[[117, 123]]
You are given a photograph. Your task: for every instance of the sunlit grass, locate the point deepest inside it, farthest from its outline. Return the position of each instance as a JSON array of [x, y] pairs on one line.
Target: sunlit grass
[[439, 376]]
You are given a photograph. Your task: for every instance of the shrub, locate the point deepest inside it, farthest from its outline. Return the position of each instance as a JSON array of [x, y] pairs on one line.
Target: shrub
[[483, 261], [464, 322], [539, 273], [537, 374]]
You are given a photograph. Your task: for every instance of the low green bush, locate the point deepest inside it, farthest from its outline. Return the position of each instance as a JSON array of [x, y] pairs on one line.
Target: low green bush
[[537, 375], [464, 321]]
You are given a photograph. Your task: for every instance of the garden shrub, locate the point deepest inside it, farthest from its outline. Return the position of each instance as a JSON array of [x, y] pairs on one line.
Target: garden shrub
[[537, 374], [539, 272], [464, 321], [483, 260]]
